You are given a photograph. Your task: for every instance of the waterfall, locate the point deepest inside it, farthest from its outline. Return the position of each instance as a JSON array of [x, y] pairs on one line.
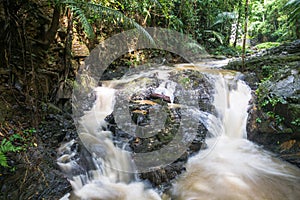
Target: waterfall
[[113, 178], [230, 168], [233, 167], [231, 102]]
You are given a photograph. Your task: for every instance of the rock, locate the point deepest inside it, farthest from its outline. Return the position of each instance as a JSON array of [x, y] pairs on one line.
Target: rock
[[274, 117], [287, 145], [160, 96], [145, 101], [79, 49], [37, 175]]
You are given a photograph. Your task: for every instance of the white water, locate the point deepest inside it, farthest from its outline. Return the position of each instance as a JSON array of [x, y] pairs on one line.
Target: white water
[[235, 168], [231, 168], [112, 180]]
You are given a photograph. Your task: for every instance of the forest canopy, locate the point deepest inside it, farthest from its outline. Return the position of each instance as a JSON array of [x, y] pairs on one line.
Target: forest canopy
[[38, 35]]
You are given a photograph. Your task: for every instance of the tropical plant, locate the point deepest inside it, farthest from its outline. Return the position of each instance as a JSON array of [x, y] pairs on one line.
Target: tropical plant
[[82, 10], [5, 147], [293, 8]]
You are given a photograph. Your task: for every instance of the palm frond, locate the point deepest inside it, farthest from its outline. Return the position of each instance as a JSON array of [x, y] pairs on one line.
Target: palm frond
[[119, 17], [78, 13], [79, 7], [293, 8], [292, 3], [295, 14], [224, 16], [217, 35]]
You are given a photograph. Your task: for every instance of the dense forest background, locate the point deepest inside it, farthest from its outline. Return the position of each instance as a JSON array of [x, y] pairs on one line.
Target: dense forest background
[[44, 42]]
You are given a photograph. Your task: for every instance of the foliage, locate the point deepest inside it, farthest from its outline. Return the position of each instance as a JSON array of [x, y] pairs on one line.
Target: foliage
[[267, 101], [209, 22], [228, 50], [18, 141], [293, 7], [267, 45], [83, 9], [5, 147], [269, 20], [296, 122]]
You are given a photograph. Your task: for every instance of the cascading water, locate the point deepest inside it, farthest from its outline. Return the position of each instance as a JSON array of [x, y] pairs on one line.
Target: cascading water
[[235, 168], [112, 176], [231, 168]]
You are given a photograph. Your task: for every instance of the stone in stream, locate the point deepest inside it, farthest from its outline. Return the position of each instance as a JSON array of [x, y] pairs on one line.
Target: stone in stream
[[139, 106]]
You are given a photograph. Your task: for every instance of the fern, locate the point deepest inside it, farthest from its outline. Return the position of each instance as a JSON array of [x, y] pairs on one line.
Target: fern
[[3, 160], [6, 146], [78, 9]]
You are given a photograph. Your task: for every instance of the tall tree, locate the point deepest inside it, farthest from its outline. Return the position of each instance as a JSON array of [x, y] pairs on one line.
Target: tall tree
[[245, 33]]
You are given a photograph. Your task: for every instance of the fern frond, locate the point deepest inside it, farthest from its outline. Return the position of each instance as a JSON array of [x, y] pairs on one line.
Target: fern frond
[[79, 14], [3, 160], [6, 146]]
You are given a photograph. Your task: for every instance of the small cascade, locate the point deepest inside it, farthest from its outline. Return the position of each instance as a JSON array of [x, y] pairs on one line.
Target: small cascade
[[230, 168], [231, 102], [112, 177], [233, 167]]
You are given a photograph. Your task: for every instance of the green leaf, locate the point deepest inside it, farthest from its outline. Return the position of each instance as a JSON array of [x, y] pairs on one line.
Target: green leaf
[[78, 13], [224, 16], [6, 146], [78, 9], [293, 8], [217, 35], [3, 160]]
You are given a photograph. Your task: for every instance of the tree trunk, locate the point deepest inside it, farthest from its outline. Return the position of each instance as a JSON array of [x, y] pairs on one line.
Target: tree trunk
[[245, 34], [68, 49], [238, 24], [50, 34]]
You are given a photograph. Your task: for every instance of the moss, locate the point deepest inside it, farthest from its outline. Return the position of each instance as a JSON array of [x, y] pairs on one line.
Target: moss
[[267, 45]]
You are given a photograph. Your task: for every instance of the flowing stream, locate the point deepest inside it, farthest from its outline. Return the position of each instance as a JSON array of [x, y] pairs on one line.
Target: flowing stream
[[230, 168], [236, 168]]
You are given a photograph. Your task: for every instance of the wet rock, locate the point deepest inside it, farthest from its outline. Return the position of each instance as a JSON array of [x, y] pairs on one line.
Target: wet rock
[[193, 89], [274, 117], [286, 53], [37, 175]]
